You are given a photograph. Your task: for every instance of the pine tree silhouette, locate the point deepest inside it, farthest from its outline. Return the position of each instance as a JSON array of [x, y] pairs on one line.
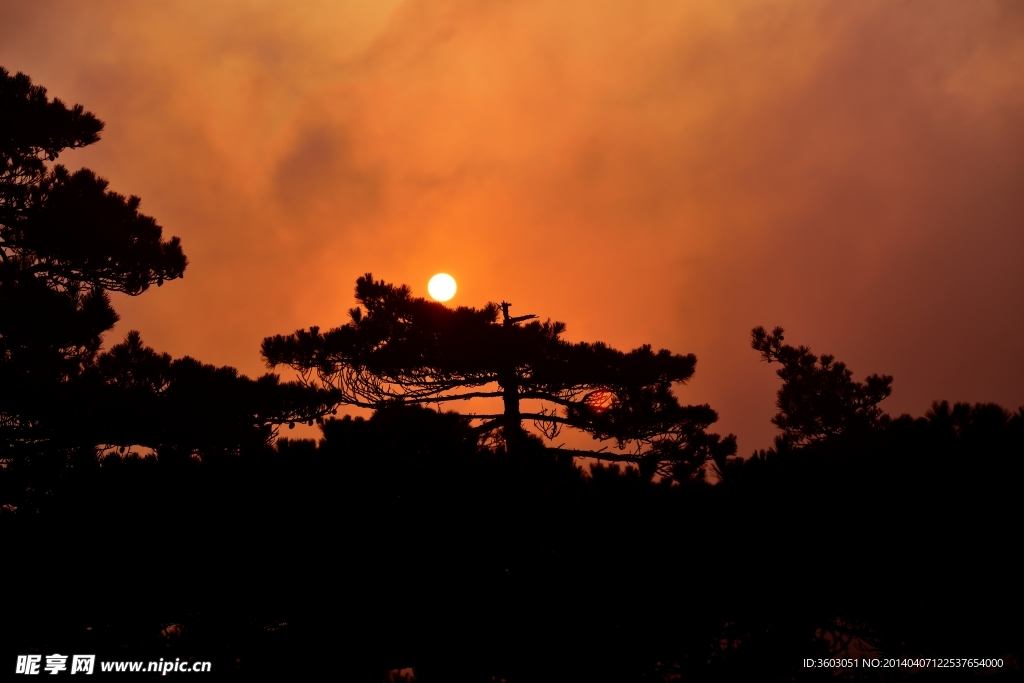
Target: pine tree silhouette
[[399, 348], [66, 240], [819, 398]]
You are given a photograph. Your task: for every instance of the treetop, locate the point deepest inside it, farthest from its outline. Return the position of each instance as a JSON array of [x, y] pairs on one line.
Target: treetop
[[34, 128]]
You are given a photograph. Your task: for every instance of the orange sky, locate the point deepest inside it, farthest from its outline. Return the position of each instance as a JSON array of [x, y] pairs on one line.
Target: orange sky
[[671, 173]]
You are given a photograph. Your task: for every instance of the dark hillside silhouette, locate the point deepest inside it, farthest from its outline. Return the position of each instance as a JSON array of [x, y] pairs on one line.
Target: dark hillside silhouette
[[398, 348]]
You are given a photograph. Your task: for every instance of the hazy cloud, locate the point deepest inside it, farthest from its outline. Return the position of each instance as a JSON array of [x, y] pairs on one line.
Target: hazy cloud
[[661, 172]]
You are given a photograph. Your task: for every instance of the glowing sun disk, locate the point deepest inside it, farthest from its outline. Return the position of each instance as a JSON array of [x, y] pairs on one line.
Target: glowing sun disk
[[441, 287]]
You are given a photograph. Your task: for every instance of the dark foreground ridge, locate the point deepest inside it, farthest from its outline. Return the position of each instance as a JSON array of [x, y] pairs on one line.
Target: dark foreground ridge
[[397, 542]]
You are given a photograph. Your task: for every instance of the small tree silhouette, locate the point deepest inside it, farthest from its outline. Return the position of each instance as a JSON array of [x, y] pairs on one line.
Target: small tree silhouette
[[399, 348], [819, 398]]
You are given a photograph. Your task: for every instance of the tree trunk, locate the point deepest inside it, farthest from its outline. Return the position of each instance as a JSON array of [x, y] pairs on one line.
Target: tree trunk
[[513, 427]]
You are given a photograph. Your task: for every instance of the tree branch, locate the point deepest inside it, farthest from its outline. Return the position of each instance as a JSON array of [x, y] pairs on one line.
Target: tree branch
[[598, 455]]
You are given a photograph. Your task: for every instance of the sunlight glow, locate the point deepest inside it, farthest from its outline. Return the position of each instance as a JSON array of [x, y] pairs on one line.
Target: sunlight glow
[[441, 287]]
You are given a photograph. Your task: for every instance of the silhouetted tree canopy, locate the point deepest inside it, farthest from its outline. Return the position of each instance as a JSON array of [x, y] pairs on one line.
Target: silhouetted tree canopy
[[146, 398], [34, 129], [819, 397], [66, 240], [401, 348]]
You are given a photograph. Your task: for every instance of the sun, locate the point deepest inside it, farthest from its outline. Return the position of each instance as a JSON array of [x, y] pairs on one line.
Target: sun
[[441, 287]]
